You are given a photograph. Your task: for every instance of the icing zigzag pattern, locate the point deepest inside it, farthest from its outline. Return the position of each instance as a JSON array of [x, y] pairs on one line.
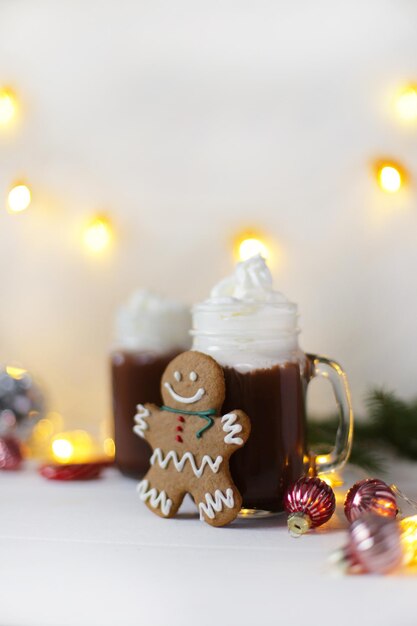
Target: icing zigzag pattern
[[141, 424], [231, 429], [158, 457], [215, 505], [155, 499]]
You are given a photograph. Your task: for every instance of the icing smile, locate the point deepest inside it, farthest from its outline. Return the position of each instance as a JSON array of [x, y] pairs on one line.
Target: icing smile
[[190, 400]]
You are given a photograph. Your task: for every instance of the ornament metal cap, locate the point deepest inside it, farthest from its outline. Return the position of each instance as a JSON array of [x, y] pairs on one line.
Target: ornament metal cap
[[310, 502], [298, 524]]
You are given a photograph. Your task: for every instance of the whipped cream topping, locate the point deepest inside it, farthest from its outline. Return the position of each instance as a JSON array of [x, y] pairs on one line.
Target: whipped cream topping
[[251, 282], [151, 322], [246, 323]]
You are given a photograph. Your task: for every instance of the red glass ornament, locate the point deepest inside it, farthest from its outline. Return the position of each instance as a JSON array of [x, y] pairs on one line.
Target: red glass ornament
[[370, 495], [10, 453], [310, 503], [72, 471], [374, 545]]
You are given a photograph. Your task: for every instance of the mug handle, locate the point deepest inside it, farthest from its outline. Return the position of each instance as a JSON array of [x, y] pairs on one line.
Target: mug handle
[[336, 459]]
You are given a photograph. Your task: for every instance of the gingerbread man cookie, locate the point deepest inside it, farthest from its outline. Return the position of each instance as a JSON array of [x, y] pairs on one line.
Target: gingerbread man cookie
[[192, 443]]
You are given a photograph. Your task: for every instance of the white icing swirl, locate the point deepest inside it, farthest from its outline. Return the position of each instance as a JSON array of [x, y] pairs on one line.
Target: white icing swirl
[[245, 323], [151, 322]]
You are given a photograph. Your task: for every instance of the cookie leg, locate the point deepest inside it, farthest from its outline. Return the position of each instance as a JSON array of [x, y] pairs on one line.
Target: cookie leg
[[159, 498], [218, 503]]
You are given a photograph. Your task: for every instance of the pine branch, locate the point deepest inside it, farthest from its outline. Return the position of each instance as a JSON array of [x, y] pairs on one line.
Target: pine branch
[[321, 436], [391, 424], [394, 422]]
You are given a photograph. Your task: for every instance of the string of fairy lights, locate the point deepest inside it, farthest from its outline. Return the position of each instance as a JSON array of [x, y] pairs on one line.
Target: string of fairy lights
[[77, 446], [390, 175]]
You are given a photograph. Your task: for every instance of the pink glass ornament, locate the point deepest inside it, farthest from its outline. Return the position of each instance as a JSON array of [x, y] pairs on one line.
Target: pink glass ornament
[[310, 502], [10, 453], [370, 495], [374, 544]]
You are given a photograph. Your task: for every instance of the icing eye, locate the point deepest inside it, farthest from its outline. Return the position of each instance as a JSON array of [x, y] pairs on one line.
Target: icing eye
[[193, 376], [177, 376]]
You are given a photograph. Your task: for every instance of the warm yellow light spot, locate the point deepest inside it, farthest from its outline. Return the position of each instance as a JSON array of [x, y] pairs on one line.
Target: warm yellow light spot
[[98, 234], [43, 430], [249, 244], [390, 177], [333, 479], [8, 107], [75, 446], [385, 508], [19, 198], [406, 103], [56, 420], [408, 527], [15, 372], [109, 447], [251, 247], [245, 512], [62, 449], [39, 442]]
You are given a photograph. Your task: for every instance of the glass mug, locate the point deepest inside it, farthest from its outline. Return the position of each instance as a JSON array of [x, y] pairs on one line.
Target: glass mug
[[150, 330], [135, 378], [274, 397]]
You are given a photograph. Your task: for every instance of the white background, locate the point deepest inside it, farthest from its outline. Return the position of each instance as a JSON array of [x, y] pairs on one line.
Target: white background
[[187, 121]]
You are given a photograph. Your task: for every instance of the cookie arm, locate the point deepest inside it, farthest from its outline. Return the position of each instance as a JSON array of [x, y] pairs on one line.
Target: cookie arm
[[143, 420], [236, 428]]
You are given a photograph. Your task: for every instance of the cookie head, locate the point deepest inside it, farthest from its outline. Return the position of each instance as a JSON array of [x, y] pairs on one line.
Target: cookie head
[[193, 381]]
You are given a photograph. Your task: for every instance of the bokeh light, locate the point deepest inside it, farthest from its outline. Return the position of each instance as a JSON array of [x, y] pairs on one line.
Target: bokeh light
[[408, 527], [333, 479], [19, 198], [62, 449], [406, 103], [98, 234], [109, 447], [75, 446], [43, 430], [390, 176], [8, 107], [15, 372], [249, 244]]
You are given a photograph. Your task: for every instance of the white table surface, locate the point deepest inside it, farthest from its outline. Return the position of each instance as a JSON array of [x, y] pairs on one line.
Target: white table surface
[[91, 553]]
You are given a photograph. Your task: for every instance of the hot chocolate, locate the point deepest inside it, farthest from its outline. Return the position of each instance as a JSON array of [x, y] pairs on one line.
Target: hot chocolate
[[274, 455], [136, 378], [150, 331]]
